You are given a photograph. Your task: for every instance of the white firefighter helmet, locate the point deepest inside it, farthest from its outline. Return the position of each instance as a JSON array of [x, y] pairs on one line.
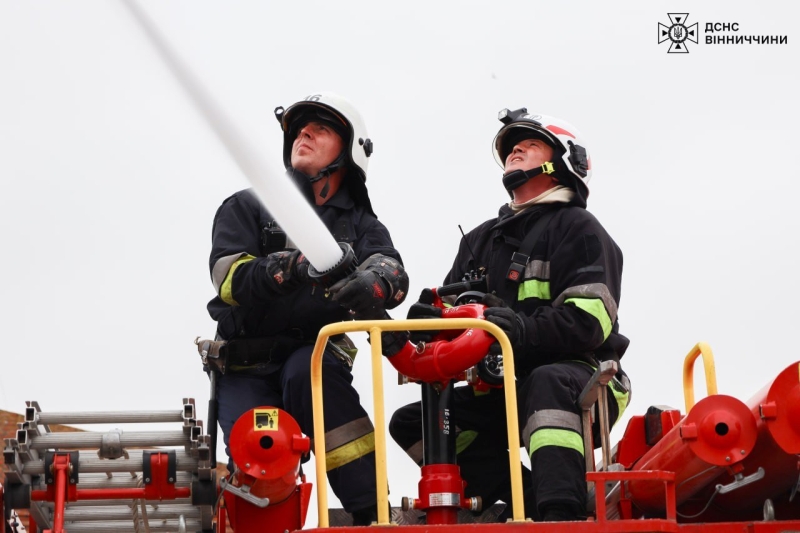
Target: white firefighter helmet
[[569, 147], [339, 113]]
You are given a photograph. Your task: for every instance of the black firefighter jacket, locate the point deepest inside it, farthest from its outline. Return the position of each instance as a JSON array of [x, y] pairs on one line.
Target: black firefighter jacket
[[244, 309], [570, 290]]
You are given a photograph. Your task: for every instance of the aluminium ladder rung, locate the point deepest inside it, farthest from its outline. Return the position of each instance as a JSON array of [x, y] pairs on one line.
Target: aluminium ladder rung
[[107, 503], [184, 463], [192, 524], [107, 417], [140, 439], [162, 511], [120, 481]]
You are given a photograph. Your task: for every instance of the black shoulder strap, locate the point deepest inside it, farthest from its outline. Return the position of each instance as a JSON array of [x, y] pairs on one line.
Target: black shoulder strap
[[519, 259]]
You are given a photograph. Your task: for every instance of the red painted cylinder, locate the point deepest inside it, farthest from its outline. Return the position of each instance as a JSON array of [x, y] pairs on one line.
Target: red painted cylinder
[[441, 493], [267, 446], [780, 409], [776, 408], [718, 432]]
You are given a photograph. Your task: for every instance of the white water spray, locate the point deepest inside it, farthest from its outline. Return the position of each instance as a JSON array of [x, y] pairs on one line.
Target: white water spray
[[275, 190]]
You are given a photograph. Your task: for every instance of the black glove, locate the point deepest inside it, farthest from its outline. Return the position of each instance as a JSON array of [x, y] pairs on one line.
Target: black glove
[[492, 300], [287, 270], [423, 309], [379, 283], [393, 342], [511, 323]]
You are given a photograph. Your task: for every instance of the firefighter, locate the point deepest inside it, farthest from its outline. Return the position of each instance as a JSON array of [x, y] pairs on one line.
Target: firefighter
[[269, 313], [553, 276]]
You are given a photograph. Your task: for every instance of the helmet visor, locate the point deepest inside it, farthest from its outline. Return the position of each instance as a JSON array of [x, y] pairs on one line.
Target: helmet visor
[[303, 116], [513, 136]]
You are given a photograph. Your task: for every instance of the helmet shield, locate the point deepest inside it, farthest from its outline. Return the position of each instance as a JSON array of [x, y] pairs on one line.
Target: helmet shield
[[303, 116], [515, 135]]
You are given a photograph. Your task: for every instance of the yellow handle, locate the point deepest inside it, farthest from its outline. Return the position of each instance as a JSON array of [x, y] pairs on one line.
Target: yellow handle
[[375, 327], [704, 350]]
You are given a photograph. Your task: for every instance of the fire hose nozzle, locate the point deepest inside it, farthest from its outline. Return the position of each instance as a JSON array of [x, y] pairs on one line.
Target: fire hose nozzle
[[346, 266]]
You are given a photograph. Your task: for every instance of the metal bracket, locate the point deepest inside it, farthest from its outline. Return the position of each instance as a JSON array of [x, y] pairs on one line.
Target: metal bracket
[[595, 392], [110, 446], [243, 492], [73, 471], [172, 466], [32, 411], [601, 377], [189, 411], [740, 481]]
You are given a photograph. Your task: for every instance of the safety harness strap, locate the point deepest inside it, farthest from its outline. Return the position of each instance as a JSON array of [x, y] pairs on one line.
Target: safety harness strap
[[508, 291]]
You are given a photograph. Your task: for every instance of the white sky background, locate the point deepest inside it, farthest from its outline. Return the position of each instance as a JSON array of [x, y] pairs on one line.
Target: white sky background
[[110, 178]]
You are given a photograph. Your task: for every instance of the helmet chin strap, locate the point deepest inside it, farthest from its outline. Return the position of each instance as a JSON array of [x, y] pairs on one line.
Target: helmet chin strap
[[323, 173], [517, 178]]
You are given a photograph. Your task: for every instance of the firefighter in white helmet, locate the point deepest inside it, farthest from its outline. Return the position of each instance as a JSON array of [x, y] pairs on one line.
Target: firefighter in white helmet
[[553, 278], [269, 313]]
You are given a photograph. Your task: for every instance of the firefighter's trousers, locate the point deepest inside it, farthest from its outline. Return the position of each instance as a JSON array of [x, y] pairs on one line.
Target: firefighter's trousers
[[349, 436], [551, 433]]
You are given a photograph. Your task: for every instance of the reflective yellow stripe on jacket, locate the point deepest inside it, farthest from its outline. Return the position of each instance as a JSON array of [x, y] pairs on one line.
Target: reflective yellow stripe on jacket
[[536, 282], [222, 275], [623, 397], [595, 299]]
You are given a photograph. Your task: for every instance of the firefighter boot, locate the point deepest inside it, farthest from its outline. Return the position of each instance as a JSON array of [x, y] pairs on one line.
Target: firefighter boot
[[365, 516], [561, 512]]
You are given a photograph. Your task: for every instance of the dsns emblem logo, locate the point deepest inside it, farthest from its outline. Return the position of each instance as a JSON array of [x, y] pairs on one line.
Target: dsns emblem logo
[[677, 33]]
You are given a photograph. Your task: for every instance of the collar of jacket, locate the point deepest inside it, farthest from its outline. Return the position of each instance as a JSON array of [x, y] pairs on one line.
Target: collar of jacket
[[506, 216], [341, 200], [355, 188]]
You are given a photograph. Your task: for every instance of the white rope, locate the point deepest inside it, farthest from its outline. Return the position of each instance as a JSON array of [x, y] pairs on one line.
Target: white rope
[[143, 504]]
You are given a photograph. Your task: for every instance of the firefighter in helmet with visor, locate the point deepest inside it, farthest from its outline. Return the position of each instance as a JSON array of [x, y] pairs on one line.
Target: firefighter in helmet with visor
[[553, 278], [269, 312]]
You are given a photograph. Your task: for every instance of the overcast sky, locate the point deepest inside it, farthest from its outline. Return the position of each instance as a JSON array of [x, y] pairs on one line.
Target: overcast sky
[[110, 177]]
